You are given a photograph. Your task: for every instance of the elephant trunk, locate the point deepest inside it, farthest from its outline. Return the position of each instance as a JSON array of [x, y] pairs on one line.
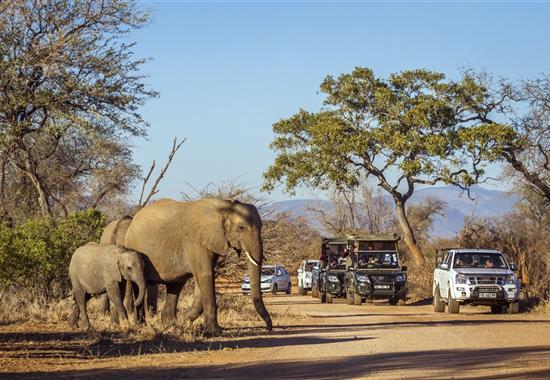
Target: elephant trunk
[[139, 280], [255, 271]]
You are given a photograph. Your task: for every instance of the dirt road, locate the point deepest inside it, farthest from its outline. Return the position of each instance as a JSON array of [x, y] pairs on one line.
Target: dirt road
[[329, 342]]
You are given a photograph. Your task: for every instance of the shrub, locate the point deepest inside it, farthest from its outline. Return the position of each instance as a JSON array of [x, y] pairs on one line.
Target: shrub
[[35, 255]]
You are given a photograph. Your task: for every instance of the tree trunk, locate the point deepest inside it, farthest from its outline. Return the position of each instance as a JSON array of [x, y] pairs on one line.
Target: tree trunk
[[408, 233]]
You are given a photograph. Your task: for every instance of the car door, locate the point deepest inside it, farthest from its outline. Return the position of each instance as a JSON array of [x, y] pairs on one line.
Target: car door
[[279, 277], [444, 279]]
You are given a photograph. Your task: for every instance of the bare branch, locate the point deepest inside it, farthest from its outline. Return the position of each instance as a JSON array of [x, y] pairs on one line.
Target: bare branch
[[175, 147]]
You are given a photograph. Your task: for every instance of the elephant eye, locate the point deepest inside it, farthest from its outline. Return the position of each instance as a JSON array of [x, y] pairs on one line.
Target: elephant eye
[[129, 267], [241, 228]]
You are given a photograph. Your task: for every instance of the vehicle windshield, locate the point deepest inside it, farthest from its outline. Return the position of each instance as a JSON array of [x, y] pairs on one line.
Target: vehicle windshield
[[377, 260], [268, 271], [377, 246], [310, 266], [480, 260]]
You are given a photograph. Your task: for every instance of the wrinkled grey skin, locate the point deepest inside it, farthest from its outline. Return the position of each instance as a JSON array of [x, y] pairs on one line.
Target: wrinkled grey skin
[[95, 269], [115, 233], [184, 239]]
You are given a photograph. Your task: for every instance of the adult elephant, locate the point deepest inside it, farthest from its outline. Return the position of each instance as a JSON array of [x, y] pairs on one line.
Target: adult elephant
[[184, 239]]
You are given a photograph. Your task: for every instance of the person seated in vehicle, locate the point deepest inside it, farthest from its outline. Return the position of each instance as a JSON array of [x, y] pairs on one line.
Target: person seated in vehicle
[[489, 263]]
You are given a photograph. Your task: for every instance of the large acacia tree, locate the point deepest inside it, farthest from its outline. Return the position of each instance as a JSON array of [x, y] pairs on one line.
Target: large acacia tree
[[70, 90], [403, 131]]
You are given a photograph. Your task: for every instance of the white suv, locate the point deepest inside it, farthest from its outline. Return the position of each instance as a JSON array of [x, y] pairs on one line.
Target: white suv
[[477, 277], [304, 275]]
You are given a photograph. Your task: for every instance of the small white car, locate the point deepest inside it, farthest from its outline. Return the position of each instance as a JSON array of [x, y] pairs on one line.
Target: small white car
[[476, 277], [304, 275], [274, 278]]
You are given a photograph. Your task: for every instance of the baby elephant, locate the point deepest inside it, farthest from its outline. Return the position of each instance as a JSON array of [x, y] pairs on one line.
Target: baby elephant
[[96, 269]]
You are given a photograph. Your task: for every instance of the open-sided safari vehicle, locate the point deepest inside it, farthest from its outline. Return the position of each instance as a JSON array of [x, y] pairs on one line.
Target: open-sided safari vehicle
[[376, 271], [331, 277]]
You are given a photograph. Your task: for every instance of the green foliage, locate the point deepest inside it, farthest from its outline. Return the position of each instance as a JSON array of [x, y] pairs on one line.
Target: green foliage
[[35, 255], [412, 122]]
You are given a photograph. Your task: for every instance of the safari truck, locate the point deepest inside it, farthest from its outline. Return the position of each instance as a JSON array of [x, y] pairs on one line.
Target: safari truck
[[332, 273], [476, 277], [375, 272]]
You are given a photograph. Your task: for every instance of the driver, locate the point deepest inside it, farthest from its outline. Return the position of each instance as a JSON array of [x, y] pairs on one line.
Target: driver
[[489, 263]]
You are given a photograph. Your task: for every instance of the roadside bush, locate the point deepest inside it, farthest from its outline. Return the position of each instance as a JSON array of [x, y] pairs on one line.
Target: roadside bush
[[35, 255]]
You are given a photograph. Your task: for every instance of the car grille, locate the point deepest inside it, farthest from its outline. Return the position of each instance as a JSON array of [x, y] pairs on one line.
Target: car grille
[[381, 278], [486, 280]]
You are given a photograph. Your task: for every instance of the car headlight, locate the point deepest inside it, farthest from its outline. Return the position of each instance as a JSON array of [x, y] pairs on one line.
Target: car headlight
[[362, 278], [400, 278], [461, 279], [332, 278], [510, 280], [267, 281]]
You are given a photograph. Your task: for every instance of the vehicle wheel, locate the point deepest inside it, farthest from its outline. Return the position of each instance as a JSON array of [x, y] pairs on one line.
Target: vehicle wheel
[[357, 300], [323, 297], [453, 306], [274, 289], [330, 298], [439, 304], [496, 309], [392, 301], [513, 308], [289, 288]]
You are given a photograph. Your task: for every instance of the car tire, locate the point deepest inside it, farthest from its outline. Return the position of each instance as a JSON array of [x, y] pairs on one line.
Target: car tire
[[392, 301], [496, 309], [357, 300], [289, 288], [439, 304], [330, 298], [453, 306], [274, 289], [513, 308]]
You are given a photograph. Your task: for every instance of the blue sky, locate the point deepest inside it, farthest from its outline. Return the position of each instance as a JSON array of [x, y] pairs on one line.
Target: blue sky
[[226, 71]]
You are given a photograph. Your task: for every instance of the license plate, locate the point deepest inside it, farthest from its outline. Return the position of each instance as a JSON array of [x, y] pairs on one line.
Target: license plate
[[381, 286], [487, 295]]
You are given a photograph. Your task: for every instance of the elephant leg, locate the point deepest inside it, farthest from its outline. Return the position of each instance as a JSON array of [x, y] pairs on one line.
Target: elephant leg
[[114, 290], [205, 280], [173, 290], [81, 299], [152, 297], [73, 317], [105, 305], [196, 308]]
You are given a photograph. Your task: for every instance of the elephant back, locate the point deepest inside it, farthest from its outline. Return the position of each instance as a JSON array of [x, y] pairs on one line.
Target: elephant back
[[115, 232]]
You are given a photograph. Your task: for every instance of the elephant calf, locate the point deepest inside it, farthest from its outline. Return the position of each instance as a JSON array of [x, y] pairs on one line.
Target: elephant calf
[[96, 269]]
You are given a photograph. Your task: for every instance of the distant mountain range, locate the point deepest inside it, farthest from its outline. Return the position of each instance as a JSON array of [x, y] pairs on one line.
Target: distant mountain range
[[486, 203]]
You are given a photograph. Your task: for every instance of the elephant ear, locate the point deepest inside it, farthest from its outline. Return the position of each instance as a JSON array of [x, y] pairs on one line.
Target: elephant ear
[[112, 271], [200, 222]]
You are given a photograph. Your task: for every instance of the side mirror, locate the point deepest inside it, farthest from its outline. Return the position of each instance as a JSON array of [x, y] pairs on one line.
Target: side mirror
[[404, 268], [444, 266], [514, 267]]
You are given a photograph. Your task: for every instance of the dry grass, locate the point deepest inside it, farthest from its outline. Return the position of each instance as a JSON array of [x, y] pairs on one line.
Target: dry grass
[[236, 315]]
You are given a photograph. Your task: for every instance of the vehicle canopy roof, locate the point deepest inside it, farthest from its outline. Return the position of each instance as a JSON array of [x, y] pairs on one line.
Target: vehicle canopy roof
[[373, 237]]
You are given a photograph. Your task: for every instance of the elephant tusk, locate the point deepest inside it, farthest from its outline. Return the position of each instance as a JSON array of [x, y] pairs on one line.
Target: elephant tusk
[[251, 259]]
